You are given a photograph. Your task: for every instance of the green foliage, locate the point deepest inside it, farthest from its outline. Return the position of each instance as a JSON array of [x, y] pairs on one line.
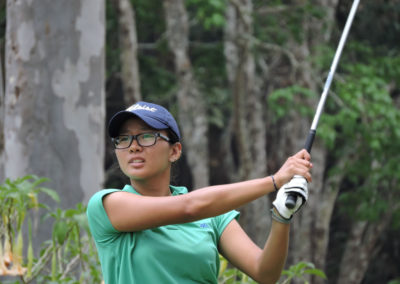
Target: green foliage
[[295, 272], [69, 248], [157, 74], [218, 107], [154, 61], [282, 101], [396, 220], [209, 13], [232, 275], [301, 269], [285, 22], [18, 197], [360, 126], [112, 47], [150, 24], [384, 29]]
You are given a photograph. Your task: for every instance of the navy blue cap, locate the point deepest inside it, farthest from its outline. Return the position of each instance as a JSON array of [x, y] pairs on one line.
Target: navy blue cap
[[153, 115]]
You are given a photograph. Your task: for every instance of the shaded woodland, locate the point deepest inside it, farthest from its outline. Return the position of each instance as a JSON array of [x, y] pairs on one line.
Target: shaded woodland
[[243, 78]]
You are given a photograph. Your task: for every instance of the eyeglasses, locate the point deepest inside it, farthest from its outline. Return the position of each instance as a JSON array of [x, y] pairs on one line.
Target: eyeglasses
[[143, 139]]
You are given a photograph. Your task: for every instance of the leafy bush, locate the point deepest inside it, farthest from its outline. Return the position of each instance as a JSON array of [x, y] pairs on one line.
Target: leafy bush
[[300, 270], [232, 275], [70, 247], [295, 272]]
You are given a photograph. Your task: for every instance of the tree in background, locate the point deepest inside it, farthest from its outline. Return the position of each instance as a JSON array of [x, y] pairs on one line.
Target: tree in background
[[128, 44], [2, 111], [292, 45], [247, 114], [291, 79], [192, 110], [54, 95]]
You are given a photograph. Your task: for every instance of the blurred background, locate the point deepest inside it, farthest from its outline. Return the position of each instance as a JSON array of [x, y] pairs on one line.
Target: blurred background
[[243, 79]]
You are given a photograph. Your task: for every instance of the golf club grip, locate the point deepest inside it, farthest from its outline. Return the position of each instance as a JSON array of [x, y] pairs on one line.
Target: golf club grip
[[291, 200], [310, 140], [292, 197]]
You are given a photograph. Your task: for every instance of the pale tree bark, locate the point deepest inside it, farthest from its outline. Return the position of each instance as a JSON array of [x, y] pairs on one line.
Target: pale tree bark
[[247, 125], [54, 98], [129, 46], [192, 111], [2, 116]]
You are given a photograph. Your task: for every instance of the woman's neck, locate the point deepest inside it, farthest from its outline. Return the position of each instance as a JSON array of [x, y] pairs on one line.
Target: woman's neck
[[152, 188]]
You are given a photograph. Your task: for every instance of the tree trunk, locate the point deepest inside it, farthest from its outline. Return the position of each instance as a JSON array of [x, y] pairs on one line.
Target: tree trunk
[[128, 56], [192, 110], [364, 240], [361, 246], [54, 99], [248, 127], [2, 116]]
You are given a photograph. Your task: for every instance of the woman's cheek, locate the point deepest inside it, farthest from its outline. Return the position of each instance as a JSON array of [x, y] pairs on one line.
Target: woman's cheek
[[121, 162]]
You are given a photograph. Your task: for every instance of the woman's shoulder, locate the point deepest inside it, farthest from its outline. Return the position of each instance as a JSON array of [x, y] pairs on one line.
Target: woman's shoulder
[[98, 196], [101, 193]]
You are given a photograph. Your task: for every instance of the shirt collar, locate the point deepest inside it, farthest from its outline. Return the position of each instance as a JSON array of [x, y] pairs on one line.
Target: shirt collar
[[176, 190]]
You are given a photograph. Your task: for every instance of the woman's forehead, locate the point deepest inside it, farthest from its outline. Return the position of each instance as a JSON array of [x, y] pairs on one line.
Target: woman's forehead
[[134, 124]]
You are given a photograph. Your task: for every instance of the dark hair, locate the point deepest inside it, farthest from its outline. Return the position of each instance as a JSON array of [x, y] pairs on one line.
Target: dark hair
[[171, 135], [175, 165]]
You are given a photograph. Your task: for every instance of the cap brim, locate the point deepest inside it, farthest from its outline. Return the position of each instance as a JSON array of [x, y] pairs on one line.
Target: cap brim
[[119, 118]]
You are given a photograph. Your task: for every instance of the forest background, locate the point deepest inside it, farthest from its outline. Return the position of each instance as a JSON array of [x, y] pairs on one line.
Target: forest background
[[243, 78]]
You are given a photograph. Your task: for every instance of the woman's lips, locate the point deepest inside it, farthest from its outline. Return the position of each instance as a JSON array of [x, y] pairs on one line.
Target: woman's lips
[[136, 162]]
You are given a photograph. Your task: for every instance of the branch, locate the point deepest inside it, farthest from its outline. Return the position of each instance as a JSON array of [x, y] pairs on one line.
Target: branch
[[276, 9], [70, 265], [41, 263], [272, 10], [242, 12], [274, 47]]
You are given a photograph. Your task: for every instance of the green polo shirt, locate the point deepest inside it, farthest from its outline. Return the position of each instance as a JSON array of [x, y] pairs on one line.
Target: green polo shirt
[[180, 253]]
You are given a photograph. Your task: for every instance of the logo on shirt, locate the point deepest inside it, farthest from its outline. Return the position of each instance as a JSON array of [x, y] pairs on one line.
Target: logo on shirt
[[204, 225]]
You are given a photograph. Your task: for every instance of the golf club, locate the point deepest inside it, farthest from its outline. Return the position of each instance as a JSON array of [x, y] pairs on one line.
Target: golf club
[[292, 197]]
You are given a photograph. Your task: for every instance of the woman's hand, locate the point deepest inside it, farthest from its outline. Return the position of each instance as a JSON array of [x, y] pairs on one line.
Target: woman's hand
[[298, 164]]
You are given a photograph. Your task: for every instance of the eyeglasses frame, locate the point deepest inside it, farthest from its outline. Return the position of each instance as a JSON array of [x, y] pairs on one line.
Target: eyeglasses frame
[[134, 137]]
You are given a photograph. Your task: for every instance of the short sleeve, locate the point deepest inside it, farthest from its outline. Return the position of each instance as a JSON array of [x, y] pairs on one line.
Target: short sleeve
[[221, 221], [99, 223]]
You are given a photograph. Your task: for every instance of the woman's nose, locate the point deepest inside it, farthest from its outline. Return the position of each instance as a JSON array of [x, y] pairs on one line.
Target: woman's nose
[[135, 147]]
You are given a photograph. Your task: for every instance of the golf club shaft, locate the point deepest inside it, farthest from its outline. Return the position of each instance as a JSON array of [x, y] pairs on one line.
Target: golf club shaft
[[291, 200]]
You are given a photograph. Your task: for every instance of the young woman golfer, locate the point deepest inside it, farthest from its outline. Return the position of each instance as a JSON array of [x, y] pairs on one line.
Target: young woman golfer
[[153, 233]]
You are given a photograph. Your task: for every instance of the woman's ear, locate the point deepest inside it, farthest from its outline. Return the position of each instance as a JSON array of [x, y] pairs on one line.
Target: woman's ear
[[176, 152]]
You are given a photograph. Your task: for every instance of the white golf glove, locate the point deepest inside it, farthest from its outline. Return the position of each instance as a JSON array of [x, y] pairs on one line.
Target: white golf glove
[[297, 185]]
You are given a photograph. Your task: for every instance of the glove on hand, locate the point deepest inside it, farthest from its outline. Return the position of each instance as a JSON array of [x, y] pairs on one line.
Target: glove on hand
[[297, 185]]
